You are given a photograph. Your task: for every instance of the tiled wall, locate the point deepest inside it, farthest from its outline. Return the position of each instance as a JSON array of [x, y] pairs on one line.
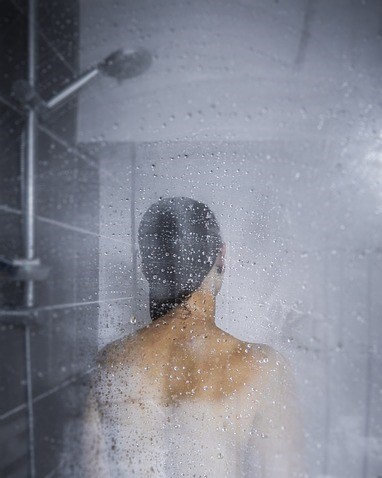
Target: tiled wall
[[63, 323]]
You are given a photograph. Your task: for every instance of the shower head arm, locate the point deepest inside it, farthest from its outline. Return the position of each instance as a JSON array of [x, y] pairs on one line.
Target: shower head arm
[[71, 89], [77, 84]]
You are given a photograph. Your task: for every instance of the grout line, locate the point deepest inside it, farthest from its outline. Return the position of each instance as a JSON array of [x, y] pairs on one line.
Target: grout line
[[30, 401], [16, 312], [305, 35], [64, 225], [55, 469], [133, 231], [62, 385], [78, 304], [78, 229], [12, 106], [85, 156], [10, 209], [15, 410], [369, 369], [40, 397], [328, 375], [5, 313]]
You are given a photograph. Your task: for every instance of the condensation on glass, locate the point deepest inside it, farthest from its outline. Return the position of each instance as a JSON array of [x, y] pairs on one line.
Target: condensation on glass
[[270, 114]]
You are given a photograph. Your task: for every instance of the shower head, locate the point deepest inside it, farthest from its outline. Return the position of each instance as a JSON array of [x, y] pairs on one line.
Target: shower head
[[122, 64]]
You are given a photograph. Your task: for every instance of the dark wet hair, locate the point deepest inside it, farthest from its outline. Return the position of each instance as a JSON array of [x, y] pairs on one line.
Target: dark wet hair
[[179, 240]]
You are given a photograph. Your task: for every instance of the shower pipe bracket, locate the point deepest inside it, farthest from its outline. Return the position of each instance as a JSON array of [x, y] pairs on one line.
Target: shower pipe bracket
[[30, 100], [20, 318], [26, 94], [23, 269]]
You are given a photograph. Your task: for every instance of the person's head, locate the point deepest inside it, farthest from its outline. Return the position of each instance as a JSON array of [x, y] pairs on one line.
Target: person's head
[[180, 245]]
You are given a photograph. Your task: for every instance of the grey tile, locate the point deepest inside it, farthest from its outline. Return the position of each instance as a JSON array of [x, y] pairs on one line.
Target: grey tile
[[86, 197], [10, 235], [56, 248], [59, 25], [13, 54], [12, 370], [11, 293], [58, 420], [12, 46], [55, 182], [68, 188], [10, 181], [116, 320], [14, 446], [115, 270], [73, 260], [86, 268], [63, 346]]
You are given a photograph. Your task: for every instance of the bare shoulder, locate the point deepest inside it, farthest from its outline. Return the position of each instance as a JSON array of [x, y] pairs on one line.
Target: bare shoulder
[[118, 373], [116, 354], [128, 351], [268, 366], [268, 357], [274, 378], [257, 355]]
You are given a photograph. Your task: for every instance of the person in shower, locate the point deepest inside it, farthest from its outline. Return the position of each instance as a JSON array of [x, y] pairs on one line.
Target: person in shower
[[181, 397]]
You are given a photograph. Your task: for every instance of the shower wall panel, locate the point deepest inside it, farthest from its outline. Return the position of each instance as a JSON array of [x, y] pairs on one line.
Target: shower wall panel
[[117, 241], [63, 322]]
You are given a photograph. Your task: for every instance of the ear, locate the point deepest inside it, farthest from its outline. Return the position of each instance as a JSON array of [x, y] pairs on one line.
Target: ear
[[220, 257]]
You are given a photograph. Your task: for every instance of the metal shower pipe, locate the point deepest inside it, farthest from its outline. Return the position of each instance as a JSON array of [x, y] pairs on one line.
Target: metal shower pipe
[[29, 214], [71, 89], [29, 159]]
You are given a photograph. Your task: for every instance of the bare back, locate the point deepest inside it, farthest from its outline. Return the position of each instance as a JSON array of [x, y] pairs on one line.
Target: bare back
[[179, 399]]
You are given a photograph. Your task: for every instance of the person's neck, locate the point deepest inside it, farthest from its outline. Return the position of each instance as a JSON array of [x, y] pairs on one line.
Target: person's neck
[[196, 313]]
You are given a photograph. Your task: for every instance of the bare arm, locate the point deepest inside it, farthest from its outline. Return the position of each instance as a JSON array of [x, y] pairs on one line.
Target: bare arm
[[122, 434], [277, 431], [93, 459]]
